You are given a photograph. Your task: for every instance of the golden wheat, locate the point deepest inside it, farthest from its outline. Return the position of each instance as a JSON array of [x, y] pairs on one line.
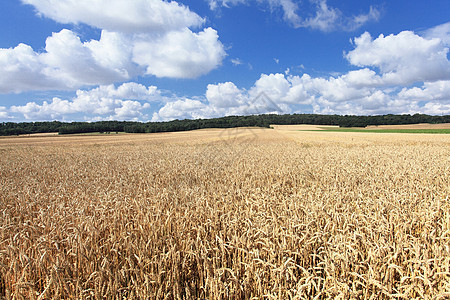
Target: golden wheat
[[246, 214]]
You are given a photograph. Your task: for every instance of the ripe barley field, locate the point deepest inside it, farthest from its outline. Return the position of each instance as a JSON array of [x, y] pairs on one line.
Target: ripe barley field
[[225, 214]]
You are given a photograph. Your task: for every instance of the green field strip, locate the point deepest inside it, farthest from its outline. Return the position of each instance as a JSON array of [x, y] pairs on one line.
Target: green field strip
[[424, 131]]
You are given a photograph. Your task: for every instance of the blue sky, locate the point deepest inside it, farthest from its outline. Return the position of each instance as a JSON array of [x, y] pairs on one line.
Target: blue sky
[[144, 60]]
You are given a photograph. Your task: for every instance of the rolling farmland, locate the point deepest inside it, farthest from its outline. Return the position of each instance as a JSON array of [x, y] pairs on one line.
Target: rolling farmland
[[226, 214]]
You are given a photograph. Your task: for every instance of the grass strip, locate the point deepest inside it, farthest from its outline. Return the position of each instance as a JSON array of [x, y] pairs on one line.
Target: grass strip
[[365, 130]]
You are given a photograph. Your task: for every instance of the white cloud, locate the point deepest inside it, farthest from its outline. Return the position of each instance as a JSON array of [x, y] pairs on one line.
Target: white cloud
[[305, 89], [114, 52], [324, 18], [275, 86], [224, 95], [134, 91], [430, 91], [103, 103], [130, 110], [404, 58], [271, 93], [225, 99], [182, 109], [79, 64], [179, 54], [358, 92], [226, 3], [4, 113], [68, 63], [142, 37], [135, 16], [362, 78], [435, 108], [355, 22], [301, 90], [441, 32], [289, 8], [400, 59], [330, 18], [337, 89], [236, 61], [47, 111], [22, 69], [403, 73]]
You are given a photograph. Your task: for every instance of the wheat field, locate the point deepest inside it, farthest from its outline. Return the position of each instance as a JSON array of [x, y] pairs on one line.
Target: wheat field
[[225, 214]]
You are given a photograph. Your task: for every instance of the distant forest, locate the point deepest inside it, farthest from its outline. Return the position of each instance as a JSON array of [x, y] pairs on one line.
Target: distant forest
[[10, 128]]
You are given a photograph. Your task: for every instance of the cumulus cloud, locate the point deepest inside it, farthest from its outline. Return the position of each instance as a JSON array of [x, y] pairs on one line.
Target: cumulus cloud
[[129, 101], [324, 17], [23, 70], [80, 63], [67, 63], [224, 99], [404, 58], [271, 93], [275, 86], [179, 54], [434, 95], [435, 108], [399, 61], [362, 78], [142, 37], [224, 95], [401, 73], [4, 113], [183, 109], [144, 16], [439, 90]]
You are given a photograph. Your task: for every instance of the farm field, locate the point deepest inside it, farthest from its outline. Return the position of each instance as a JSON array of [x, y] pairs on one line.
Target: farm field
[[413, 126], [443, 128], [226, 214], [426, 131], [376, 130]]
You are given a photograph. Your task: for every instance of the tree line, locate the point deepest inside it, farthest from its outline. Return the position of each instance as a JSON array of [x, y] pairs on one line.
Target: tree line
[[11, 128]]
